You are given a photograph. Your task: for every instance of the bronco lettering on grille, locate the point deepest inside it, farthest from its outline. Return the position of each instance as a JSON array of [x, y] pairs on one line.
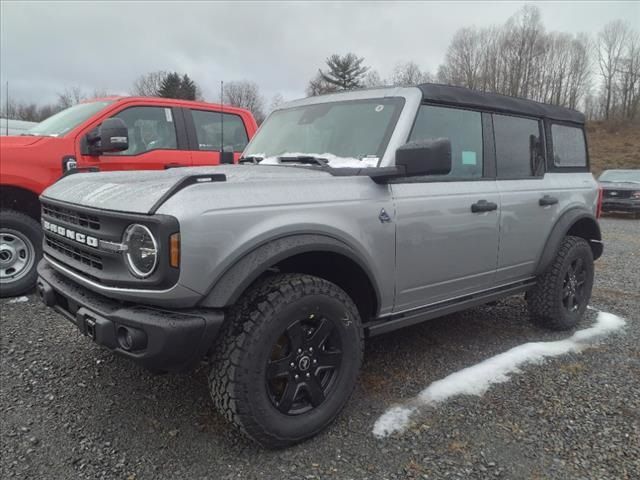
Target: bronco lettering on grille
[[70, 234]]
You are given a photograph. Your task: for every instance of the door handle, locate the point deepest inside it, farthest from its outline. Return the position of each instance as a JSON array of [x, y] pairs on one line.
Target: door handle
[[547, 200], [483, 206], [173, 165]]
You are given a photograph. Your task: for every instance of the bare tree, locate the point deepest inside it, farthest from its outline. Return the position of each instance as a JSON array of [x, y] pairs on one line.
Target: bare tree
[[372, 79], [463, 60], [149, 84], [319, 86], [629, 76], [611, 43], [276, 101], [70, 96], [407, 74], [245, 94], [520, 59]]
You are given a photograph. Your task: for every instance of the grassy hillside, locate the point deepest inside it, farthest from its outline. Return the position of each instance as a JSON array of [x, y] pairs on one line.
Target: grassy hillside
[[613, 146]]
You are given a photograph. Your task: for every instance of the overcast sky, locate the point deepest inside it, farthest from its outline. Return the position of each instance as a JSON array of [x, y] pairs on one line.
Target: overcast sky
[[47, 46]]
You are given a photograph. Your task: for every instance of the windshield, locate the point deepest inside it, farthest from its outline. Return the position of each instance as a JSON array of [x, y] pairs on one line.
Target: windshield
[[66, 120], [348, 133], [632, 176]]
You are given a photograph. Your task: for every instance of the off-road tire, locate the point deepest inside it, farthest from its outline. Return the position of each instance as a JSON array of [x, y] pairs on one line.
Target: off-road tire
[[545, 300], [18, 225], [238, 363]]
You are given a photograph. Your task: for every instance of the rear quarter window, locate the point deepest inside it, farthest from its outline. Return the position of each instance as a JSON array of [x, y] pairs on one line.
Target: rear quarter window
[[519, 150], [569, 148]]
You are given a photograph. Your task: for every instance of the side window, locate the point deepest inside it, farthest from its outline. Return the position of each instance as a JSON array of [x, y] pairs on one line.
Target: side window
[[569, 148], [210, 133], [519, 147], [150, 128], [463, 128]]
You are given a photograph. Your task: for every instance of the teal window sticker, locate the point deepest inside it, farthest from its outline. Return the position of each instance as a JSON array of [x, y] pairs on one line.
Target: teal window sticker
[[469, 158]]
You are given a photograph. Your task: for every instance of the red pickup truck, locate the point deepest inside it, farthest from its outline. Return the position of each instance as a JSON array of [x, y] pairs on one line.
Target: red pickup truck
[[155, 133]]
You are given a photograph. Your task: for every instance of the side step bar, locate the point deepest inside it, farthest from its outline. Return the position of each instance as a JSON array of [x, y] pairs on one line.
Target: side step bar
[[447, 307]]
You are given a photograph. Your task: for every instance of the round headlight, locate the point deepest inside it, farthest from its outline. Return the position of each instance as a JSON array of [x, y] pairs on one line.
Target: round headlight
[[142, 250]]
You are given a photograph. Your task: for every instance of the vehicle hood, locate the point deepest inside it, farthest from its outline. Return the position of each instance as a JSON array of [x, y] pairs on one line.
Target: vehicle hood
[[141, 191], [619, 185], [19, 141]]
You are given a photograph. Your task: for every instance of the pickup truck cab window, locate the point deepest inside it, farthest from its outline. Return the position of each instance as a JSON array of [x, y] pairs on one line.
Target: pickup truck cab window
[[150, 128], [211, 134], [463, 128], [68, 119], [357, 129]]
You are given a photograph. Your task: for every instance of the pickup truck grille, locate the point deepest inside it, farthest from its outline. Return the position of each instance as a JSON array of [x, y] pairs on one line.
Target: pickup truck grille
[[617, 194], [71, 216], [69, 251]]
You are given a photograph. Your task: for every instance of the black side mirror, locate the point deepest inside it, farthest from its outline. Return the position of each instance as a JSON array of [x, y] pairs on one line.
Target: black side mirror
[[425, 157], [226, 155], [111, 136]]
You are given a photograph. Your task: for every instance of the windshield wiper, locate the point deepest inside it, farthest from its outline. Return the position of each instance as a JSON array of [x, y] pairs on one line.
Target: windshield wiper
[[306, 159], [251, 159]]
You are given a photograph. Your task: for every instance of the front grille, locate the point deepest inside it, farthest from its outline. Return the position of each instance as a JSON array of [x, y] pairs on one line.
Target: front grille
[[617, 194], [78, 255], [71, 216]]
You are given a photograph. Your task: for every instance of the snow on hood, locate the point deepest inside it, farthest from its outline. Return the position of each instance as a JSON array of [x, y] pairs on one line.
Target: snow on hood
[[138, 191], [477, 379], [334, 161]]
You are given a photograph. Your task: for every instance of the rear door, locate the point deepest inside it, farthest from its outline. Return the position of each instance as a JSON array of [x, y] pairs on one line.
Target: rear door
[[529, 197], [445, 248], [210, 131], [157, 140]]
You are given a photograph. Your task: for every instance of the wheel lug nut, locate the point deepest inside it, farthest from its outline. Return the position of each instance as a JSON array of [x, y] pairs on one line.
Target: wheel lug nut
[[308, 375], [299, 350], [292, 364], [310, 349], [315, 361], [296, 376]]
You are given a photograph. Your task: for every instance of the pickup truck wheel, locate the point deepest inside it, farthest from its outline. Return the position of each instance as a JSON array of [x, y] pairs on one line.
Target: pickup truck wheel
[[562, 293], [20, 249], [288, 361]]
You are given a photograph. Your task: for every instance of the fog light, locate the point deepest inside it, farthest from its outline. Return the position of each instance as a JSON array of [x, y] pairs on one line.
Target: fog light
[[131, 338]]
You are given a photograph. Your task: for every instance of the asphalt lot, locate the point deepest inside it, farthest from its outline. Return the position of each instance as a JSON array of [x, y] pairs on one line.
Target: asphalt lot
[[70, 409]]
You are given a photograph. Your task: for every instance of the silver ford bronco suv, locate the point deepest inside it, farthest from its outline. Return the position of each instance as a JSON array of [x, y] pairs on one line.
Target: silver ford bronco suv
[[350, 215]]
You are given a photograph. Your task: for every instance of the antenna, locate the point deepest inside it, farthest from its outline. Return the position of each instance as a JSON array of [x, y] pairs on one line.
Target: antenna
[[221, 116], [6, 113]]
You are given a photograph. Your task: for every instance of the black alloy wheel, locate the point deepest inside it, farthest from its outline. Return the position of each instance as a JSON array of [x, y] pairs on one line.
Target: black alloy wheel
[[304, 364]]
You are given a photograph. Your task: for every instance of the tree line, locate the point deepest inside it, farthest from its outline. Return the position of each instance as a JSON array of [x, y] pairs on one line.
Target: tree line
[[599, 75]]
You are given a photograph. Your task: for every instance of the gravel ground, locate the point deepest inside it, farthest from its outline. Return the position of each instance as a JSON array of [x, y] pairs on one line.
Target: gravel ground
[[70, 409]]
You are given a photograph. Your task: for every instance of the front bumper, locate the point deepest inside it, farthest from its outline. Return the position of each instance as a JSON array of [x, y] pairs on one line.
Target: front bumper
[[158, 339], [621, 205]]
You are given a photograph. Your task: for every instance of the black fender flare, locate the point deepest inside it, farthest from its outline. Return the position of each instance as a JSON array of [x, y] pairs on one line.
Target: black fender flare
[[236, 279], [564, 224]]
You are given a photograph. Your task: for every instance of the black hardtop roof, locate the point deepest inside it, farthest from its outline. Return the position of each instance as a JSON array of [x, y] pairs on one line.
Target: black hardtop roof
[[495, 102]]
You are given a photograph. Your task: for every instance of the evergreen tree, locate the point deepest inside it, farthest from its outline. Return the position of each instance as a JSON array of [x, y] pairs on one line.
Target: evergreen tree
[[345, 72], [171, 86], [188, 88]]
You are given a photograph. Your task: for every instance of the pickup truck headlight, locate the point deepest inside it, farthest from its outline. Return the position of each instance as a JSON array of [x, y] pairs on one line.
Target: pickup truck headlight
[[142, 250], [636, 195]]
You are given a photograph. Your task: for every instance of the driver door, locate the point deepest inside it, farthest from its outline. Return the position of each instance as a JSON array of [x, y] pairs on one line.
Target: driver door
[[154, 141]]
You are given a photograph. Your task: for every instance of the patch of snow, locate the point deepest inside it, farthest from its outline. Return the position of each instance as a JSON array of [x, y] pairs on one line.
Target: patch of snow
[[19, 300], [334, 160], [477, 379]]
